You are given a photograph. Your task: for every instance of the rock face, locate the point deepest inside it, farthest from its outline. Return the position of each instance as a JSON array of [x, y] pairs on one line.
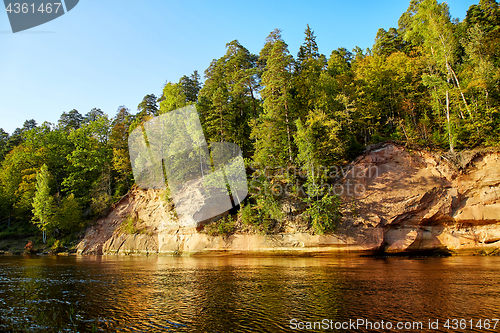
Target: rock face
[[422, 201], [395, 200]]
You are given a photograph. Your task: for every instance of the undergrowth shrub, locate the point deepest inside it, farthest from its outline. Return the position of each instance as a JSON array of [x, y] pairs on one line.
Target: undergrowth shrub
[[222, 227], [263, 215], [128, 226], [324, 213]]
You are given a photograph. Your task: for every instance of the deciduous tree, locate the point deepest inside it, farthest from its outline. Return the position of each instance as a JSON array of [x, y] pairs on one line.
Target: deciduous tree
[[43, 202]]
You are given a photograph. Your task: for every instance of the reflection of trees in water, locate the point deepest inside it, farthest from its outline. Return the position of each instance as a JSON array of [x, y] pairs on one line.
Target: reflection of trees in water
[[33, 301], [243, 294], [238, 294], [126, 296]]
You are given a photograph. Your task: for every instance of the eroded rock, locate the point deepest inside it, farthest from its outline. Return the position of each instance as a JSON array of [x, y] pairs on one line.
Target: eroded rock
[[394, 200]]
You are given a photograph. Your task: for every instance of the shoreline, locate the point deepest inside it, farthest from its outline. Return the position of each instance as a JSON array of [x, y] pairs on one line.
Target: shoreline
[[278, 253]]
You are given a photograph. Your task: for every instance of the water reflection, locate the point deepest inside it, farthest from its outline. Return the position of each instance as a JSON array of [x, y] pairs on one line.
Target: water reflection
[[239, 294]]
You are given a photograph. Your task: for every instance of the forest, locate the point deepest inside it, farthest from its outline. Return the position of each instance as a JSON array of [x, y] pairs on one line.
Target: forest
[[433, 81]]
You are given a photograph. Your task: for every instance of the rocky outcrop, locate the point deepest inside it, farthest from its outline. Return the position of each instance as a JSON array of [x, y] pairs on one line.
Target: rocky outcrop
[[395, 200], [424, 201]]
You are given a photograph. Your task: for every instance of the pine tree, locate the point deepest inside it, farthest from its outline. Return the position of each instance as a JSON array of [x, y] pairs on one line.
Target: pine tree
[[309, 66], [4, 137], [264, 54], [273, 131], [309, 49], [93, 115], [388, 42], [70, 121], [228, 99], [191, 86], [148, 106]]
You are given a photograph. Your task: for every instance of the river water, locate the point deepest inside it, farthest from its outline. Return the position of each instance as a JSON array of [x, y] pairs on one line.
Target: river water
[[248, 294]]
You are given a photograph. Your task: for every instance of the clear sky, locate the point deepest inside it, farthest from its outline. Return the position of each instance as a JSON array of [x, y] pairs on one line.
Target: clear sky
[[107, 53]]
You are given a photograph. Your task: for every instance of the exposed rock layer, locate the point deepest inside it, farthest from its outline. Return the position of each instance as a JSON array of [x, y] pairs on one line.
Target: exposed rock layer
[[395, 200]]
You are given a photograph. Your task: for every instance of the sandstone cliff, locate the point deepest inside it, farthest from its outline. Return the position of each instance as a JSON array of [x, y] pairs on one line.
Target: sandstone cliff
[[395, 200]]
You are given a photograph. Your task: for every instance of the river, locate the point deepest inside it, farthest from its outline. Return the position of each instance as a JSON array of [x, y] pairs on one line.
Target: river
[[248, 294]]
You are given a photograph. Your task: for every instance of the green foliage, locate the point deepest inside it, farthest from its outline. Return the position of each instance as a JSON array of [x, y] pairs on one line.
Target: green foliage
[[93, 115], [173, 98], [49, 214], [431, 27], [56, 246], [221, 227], [18, 230], [148, 107], [309, 66], [269, 212], [354, 209], [433, 81], [71, 120], [273, 130], [4, 137], [319, 143], [324, 213], [226, 226], [121, 177], [191, 86], [90, 161], [167, 196], [43, 202], [263, 215], [100, 198], [248, 215], [84, 170], [68, 215], [388, 42], [18, 179], [128, 226], [228, 100]]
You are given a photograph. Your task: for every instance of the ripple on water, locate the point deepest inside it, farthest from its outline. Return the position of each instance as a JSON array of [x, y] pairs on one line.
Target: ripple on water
[[239, 294]]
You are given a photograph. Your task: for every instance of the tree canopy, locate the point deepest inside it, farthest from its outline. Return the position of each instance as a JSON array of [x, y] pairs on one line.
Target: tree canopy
[[432, 81]]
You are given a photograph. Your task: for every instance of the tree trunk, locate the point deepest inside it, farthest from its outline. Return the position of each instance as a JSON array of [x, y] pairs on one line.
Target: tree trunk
[[288, 133], [221, 137], [459, 88], [448, 119]]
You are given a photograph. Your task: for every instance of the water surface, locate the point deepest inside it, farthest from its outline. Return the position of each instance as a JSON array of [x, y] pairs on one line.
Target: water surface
[[244, 294]]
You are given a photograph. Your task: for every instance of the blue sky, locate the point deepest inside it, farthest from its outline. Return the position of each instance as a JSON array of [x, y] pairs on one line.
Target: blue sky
[[107, 53]]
